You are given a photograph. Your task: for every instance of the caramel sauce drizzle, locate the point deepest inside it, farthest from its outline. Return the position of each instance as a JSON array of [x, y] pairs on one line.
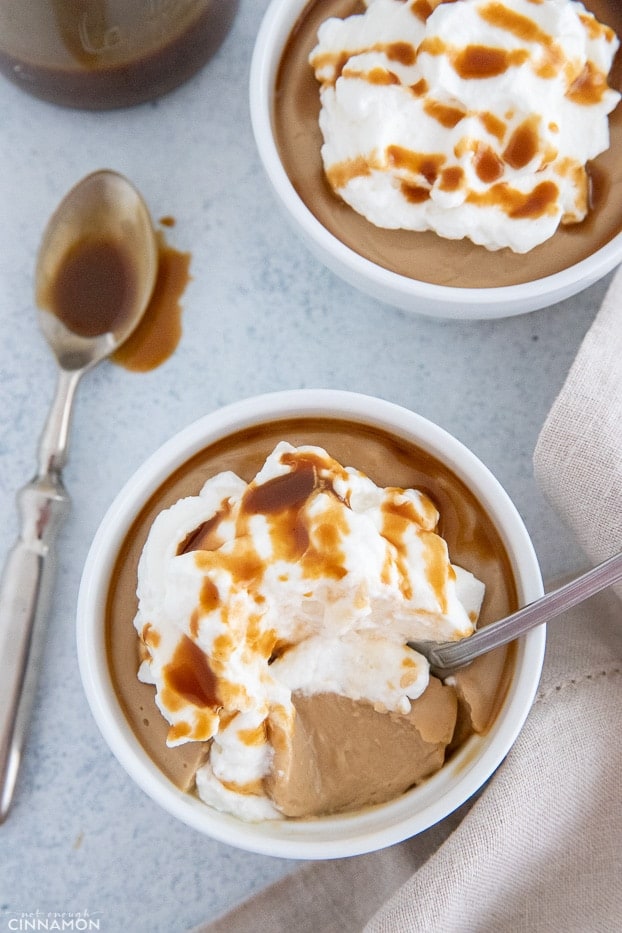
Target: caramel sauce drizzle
[[191, 678], [374, 76], [517, 204], [589, 87], [428, 165], [475, 62], [596, 29], [190, 681], [479, 62], [444, 114], [488, 166], [493, 125], [421, 9], [452, 178], [524, 143], [524, 28], [402, 52], [158, 334], [419, 88], [340, 173]]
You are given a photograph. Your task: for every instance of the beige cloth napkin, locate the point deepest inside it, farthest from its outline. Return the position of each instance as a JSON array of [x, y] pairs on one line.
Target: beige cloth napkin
[[578, 457], [540, 850]]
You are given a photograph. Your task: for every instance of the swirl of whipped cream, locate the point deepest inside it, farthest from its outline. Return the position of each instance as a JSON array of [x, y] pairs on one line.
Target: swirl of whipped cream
[[474, 119], [308, 579]]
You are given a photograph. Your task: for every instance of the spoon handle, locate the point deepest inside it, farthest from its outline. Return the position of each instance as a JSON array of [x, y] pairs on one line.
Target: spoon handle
[[447, 657], [26, 585], [24, 600]]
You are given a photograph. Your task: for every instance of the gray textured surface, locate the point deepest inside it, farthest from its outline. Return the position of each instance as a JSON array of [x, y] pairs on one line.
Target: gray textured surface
[[260, 314]]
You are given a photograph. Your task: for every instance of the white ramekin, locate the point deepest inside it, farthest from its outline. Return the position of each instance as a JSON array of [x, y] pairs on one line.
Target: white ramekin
[[398, 290], [335, 836]]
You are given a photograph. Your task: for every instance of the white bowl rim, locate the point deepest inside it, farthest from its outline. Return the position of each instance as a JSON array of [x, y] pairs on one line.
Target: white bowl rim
[[501, 301], [329, 837]]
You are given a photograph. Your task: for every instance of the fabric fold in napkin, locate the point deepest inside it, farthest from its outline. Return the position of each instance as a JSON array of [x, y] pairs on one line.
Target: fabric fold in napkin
[[540, 849], [578, 457]]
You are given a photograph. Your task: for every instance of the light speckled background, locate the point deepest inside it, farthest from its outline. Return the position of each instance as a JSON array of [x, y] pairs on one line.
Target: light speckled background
[[260, 314]]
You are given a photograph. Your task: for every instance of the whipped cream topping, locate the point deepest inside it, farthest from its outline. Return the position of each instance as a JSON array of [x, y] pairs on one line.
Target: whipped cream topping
[[308, 579], [472, 118]]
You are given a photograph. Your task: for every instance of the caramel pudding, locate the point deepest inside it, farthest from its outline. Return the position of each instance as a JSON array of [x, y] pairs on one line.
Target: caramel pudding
[[426, 256], [342, 755]]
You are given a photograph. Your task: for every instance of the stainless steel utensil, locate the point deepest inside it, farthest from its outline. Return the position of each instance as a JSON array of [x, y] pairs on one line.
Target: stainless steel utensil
[[105, 213], [447, 657]]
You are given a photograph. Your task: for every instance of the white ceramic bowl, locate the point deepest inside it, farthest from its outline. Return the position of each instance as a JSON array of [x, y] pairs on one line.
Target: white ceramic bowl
[[336, 836], [382, 284]]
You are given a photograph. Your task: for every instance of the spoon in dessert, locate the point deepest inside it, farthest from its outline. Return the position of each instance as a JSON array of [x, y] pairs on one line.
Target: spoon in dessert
[[447, 657], [95, 273]]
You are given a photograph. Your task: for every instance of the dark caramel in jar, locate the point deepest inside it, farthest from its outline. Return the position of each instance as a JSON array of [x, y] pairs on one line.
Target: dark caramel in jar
[[100, 54], [473, 540]]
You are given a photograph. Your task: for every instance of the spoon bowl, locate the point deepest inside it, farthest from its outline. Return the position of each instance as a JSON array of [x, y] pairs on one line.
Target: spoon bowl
[[95, 273], [95, 270]]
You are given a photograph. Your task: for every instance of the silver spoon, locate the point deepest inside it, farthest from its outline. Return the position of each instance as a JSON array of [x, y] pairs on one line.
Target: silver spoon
[[95, 273], [447, 657]]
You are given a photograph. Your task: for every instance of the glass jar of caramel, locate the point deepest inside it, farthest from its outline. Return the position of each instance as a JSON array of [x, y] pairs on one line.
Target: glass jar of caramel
[[100, 54]]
